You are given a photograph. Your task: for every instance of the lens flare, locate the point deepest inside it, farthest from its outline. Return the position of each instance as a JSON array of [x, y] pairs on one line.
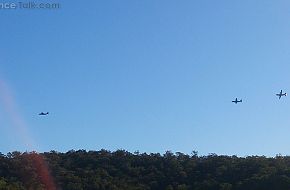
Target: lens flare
[[17, 122], [21, 130]]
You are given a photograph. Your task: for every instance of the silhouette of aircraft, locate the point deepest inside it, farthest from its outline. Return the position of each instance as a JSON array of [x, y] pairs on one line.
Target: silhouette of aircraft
[[281, 94], [237, 101], [43, 113]]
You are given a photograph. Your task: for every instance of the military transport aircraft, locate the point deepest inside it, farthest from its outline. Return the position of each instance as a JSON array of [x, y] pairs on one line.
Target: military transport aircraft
[[237, 101], [281, 94], [43, 113]]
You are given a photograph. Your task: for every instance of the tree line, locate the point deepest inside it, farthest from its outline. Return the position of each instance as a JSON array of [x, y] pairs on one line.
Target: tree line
[[122, 170]]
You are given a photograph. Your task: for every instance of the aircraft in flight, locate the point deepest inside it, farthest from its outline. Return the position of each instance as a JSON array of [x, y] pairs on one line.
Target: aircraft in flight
[[43, 113], [237, 101], [281, 94]]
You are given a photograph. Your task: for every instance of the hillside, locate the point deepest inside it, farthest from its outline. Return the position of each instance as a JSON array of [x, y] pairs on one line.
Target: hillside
[[105, 170]]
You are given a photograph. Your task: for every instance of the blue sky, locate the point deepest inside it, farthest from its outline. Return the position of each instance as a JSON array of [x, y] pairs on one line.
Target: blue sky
[[147, 75]]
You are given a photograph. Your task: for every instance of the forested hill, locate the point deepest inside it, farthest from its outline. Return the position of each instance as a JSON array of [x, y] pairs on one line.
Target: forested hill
[[122, 170]]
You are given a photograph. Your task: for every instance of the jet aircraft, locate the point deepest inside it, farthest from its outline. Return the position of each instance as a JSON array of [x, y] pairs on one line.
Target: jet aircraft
[[281, 94], [43, 113], [237, 101]]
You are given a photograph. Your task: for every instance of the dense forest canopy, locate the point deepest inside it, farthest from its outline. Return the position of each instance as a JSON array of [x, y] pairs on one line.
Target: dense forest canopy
[[118, 170]]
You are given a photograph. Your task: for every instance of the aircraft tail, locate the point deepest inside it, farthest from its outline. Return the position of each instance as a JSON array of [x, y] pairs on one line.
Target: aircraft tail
[[47, 112], [241, 100]]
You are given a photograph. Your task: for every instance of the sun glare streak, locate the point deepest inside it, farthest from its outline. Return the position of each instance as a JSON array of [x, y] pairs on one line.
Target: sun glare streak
[[21, 130], [17, 122]]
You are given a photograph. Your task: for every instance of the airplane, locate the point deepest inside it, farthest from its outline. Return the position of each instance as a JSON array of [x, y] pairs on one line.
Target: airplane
[[43, 113], [237, 101], [281, 94]]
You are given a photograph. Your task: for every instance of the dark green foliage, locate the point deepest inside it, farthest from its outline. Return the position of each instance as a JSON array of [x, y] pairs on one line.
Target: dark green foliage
[[122, 170]]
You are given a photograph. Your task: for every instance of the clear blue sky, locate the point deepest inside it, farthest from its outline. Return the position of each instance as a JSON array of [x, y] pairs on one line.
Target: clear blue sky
[[147, 75]]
